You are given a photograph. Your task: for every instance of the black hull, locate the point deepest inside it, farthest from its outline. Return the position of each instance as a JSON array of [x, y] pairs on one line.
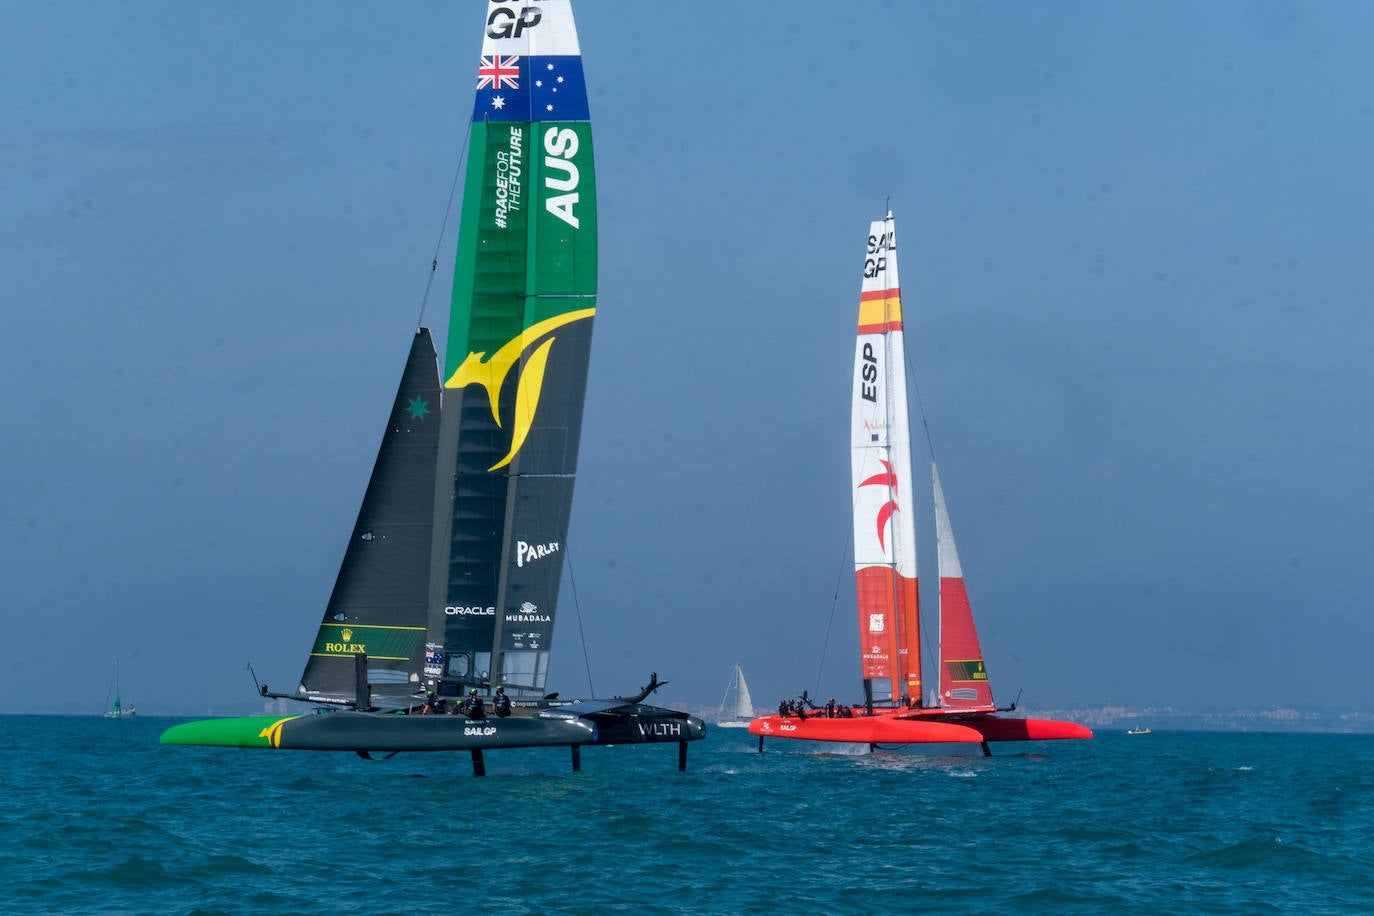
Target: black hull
[[594, 722]]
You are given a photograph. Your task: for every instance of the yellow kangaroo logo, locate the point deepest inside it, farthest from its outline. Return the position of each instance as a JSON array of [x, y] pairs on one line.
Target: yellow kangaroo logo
[[491, 375], [273, 732]]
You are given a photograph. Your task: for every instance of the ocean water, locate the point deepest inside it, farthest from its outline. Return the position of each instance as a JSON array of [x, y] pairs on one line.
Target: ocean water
[[99, 818]]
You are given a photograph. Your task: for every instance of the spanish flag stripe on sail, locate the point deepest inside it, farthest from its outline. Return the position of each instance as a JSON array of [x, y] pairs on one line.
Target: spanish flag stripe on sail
[[880, 311]]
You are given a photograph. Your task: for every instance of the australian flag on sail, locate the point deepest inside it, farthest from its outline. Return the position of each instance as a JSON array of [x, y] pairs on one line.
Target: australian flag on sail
[[514, 88]]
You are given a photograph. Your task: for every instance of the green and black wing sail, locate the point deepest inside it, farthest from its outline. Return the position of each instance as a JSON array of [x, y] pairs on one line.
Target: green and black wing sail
[[381, 598], [515, 372]]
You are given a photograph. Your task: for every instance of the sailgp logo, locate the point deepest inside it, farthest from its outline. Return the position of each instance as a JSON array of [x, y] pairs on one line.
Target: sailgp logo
[[878, 245], [889, 480], [505, 23], [491, 374]]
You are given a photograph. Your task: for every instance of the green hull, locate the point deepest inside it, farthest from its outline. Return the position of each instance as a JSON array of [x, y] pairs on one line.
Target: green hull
[[249, 731]]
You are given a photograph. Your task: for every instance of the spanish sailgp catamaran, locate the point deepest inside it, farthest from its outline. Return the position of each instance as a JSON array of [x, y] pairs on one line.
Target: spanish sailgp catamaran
[[449, 585], [893, 711]]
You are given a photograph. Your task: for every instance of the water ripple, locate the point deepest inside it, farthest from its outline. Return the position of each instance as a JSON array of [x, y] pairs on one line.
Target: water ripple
[[1179, 822]]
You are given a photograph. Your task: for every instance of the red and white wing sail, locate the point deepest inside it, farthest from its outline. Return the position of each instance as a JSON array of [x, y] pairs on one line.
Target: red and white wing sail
[[884, 524]]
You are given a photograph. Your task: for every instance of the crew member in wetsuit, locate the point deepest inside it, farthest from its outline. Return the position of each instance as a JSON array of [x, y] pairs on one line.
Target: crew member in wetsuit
[[501, 703], [473, 707]]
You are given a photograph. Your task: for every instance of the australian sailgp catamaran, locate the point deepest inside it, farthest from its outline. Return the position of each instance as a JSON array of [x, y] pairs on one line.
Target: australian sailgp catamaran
[[893, 711], [449, 585]]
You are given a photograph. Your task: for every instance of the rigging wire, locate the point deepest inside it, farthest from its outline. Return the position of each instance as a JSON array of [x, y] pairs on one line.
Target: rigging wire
[[930, 443], [443, 229], [581, 631], [834, 603], [925, 424]]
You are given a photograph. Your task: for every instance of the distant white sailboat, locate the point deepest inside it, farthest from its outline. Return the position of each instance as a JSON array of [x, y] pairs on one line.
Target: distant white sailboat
[[117, 709], [743, 709]]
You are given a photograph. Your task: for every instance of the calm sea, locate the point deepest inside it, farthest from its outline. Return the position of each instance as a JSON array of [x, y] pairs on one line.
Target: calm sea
[[99, 818]]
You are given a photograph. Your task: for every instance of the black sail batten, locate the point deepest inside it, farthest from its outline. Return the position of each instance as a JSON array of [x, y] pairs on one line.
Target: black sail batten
[[380, 601]]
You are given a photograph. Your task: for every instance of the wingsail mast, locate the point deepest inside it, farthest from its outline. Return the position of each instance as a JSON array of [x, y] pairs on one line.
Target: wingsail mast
[[515, 371], [884, 524]]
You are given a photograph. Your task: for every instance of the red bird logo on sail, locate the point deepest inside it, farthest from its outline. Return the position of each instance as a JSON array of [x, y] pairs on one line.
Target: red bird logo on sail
[[886, 479]]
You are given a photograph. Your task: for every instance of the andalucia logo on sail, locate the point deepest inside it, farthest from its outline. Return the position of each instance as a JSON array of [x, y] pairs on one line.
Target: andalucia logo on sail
[[492, 373]]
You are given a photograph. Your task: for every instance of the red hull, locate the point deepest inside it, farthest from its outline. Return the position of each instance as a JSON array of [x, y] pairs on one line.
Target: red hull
[[884, 729], [998, 729], [916, 727]]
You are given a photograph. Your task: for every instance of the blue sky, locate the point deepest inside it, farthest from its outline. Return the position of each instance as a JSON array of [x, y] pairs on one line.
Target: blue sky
[[1135, 260]]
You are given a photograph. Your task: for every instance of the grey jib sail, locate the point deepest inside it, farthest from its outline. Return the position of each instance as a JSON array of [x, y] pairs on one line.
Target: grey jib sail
[[379, 605]]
